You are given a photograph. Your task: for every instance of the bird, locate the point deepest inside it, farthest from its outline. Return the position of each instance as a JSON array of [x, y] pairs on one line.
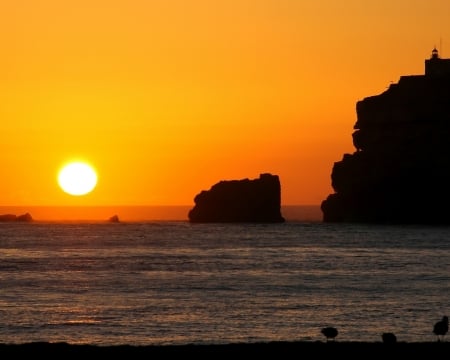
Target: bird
[[441, 328], [389, 338], [329, 332]]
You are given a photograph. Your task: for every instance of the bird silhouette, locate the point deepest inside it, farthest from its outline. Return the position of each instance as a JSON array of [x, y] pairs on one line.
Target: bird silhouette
[[441, 328], [389, 338], [329, 332]]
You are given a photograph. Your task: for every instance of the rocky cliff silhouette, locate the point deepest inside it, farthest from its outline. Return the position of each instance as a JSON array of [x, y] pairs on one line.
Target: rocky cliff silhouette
[[400, 171], [257, 200]]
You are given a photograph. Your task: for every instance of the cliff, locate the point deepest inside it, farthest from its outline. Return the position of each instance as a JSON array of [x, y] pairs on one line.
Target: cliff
[[400, 171], [257, 200]]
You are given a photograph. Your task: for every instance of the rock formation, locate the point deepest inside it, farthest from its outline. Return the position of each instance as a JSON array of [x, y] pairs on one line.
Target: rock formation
[[16, 218], [245, 200], [400, 171], [114, 219]]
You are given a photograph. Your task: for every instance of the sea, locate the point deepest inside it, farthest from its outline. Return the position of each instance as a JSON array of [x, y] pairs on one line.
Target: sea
[[170, 282]]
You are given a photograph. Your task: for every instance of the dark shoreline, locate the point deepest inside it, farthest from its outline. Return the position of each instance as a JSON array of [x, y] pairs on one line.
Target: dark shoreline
[[279, 349]]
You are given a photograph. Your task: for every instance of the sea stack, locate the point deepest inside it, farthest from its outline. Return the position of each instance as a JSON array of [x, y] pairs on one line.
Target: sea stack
[[114, 219], [399, 172], [257, 200]]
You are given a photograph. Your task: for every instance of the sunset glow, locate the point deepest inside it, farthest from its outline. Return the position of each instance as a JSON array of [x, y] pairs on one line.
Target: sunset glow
[[167, 98]]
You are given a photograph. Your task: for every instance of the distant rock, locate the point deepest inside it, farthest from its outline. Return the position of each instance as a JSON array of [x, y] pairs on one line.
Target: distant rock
[[399, 172], [16, 218], [8, 217], [114, 219], [245, 200]]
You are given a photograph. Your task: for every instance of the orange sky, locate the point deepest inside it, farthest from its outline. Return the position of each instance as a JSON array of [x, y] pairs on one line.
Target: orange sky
[[166, 98]]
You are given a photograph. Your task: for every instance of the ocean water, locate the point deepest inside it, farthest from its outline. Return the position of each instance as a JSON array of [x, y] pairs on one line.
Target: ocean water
[[172, 282]]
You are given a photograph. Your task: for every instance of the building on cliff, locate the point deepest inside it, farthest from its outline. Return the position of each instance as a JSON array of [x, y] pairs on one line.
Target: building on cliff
[[437, 67], [400, 170]]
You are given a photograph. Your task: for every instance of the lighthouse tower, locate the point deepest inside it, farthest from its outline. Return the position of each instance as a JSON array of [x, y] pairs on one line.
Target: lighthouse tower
[[437, 67]]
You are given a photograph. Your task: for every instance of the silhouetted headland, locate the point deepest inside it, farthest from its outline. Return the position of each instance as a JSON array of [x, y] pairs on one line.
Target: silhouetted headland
[[399, 172], [16, 218], [257, 200]]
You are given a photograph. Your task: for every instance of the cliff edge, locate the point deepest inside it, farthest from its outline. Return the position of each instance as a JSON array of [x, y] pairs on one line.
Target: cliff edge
[[257, 200], [400, 171]]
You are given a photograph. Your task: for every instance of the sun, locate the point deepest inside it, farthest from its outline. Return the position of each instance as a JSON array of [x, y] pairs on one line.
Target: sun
[[77, 178]]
